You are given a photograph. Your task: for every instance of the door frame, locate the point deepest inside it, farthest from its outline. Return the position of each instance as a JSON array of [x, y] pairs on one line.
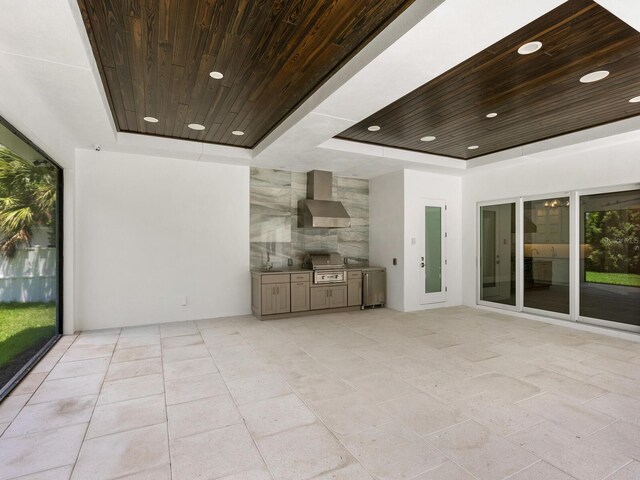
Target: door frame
[[441, 296]]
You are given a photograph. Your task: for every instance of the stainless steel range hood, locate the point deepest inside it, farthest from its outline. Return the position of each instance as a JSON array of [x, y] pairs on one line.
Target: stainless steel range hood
[[319, 210]]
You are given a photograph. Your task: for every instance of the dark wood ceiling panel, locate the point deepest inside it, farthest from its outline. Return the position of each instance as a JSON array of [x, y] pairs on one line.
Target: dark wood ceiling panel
[[155, 57], [536, 96]]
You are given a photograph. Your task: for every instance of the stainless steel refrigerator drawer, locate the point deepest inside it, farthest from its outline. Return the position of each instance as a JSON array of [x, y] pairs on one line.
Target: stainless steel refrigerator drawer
[[374, 287]]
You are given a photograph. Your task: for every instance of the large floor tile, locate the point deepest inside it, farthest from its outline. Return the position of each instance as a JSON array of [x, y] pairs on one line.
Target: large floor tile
[[136, 353], [189, 368], [29, 384], [353, 471], [620, 437], [201, 416], [446, 471], [628, 472], [303, 453], [349, 414], [135, 368], [320, 387], [129, 388], [541, 471], [52, 415], [180, 390], [175, 354], [422, 413], [259, 387], [59, 473], [79, 368], [562, 385], [274, 415], [74, 354], [11, 406], [235, 452], [580, 419], [478, 450], [51, 390], [127, 415], [121, 454], [380, 387], [568, 452], [391, 452], [618, 406], [40, 451]]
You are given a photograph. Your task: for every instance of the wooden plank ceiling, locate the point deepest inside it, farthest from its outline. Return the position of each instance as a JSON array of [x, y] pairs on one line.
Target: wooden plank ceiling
[[155, 57], [536, 96]]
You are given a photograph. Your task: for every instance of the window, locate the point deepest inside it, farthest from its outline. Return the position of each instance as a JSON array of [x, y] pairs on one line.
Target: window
[[30, 255]]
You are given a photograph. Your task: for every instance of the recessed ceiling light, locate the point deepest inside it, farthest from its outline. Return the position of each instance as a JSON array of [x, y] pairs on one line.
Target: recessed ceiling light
[[150, 119], [216, 75], [428, 138], [635, 100], [529, 48], [373, 128], [492, 115], [473, 147], [594, 76], [196, 126], [237, 133]]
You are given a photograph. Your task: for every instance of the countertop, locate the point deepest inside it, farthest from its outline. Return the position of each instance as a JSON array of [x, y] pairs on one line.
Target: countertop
[[275, 271]]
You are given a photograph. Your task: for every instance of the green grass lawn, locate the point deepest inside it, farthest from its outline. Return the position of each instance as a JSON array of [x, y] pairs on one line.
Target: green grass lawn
[[627, 279], [24, 326]]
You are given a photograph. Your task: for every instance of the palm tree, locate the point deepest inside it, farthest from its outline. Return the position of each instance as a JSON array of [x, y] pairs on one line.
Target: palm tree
[[27, 199]]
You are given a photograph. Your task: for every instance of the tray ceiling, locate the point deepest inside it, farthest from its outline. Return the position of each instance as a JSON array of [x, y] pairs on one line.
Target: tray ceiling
[[155, 58], [499, 99]]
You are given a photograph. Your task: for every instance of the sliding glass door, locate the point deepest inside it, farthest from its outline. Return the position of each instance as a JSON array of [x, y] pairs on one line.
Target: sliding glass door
[[574, 256], [610, 257], [30, 255], [498, 254], [546, 255]]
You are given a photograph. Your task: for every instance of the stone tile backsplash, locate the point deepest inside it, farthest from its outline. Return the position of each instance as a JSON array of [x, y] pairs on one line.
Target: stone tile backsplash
[[274, 219]]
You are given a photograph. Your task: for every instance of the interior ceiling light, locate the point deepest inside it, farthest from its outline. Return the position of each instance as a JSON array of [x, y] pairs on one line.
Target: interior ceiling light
[[373, 128], [150, 119], [594, 76], [473, 147], [529, 48], [492, 115], [635, 100], [195, 126], [216, 75], [428, 138], [237, 133]]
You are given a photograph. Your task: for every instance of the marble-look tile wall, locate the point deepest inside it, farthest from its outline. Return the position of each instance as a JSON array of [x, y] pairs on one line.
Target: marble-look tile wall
[[274, 219]]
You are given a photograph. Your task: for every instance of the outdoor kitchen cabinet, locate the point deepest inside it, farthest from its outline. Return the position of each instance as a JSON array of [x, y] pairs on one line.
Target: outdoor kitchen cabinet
[[300, 292], [354, 288], [328, 297], [276, 294]]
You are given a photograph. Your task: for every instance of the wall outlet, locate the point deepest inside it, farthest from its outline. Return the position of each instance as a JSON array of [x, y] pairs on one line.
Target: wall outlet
[[290, 262]]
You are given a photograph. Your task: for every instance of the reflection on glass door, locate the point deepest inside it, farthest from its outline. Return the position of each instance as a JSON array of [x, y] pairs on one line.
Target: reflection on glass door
[[498, 253], [546, 254], [610, 257], [30, 186], [432, 261]]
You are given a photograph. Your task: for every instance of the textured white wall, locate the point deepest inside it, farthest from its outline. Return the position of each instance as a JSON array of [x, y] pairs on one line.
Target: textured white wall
[[554, 172], [150, 231], [386, 224]]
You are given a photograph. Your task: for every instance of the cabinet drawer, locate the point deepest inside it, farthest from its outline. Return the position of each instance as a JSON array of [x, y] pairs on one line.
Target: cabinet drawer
[[354, 275], [300, 277], [284, 278]]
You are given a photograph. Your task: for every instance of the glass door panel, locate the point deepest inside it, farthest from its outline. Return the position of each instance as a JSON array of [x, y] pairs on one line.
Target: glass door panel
[[610, 257], [30, 185], [433, 249], [498, 253], [546, 255], [432, 260]]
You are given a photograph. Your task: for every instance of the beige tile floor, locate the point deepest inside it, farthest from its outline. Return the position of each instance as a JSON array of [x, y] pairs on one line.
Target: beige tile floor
[[455, 393]]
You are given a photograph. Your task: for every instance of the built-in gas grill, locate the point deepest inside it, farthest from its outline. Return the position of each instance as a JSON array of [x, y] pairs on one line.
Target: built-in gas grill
[[327, 267]]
